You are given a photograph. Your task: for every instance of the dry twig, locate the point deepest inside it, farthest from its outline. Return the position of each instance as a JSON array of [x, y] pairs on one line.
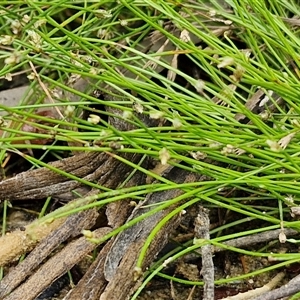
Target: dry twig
[[55, 267], [207, 271], [259, 291], [289, 289], [71, 227]]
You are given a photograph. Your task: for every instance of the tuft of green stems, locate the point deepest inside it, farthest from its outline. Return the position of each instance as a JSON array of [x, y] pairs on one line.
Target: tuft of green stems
[[94, 40]]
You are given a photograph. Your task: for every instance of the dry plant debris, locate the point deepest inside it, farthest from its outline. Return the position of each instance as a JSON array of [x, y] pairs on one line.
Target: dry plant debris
[[52, 246]]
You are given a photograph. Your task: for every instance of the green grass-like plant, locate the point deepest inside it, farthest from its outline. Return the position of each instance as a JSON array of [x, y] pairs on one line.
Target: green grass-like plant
[[242, 47]]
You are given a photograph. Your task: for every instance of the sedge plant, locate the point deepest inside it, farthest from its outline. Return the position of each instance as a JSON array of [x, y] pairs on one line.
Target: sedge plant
[[238, 48]]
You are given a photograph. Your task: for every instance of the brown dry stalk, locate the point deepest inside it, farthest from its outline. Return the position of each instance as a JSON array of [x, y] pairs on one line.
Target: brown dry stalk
[[289, 289], [251, 294], [18, 242], [93, 279], [202, 232], [121, 260], [56, 266], [43, 182], [70, 228], [262, 237]]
